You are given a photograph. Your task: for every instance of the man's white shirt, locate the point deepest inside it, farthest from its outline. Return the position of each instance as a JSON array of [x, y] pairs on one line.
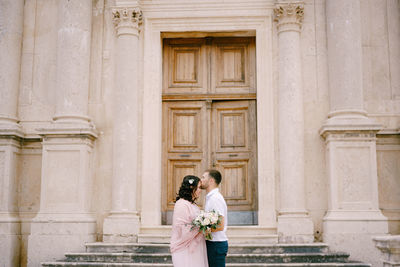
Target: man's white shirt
[[215, 201]]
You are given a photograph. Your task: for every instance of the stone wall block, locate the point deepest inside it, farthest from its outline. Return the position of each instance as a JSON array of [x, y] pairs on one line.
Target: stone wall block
[[10, 228], [65, 201]]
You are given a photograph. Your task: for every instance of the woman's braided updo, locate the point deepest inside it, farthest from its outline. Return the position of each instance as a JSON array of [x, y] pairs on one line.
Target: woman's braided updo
[[188, 187]]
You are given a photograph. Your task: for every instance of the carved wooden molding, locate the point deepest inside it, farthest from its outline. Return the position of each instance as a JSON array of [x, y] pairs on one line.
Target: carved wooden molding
[[289, 16], [127, 20]]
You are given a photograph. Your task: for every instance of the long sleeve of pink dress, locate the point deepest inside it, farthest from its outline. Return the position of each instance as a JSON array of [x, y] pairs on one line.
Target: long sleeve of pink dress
[[188, 247]]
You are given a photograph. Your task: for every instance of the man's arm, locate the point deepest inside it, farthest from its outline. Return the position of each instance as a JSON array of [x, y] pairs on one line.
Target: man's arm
[[221, 225]]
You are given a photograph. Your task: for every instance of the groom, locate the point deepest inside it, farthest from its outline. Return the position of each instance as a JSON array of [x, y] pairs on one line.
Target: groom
[[217, 248]]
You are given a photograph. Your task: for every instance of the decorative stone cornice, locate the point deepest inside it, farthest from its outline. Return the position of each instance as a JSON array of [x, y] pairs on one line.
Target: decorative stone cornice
[[349, 121], [68, 130], [11, 130], [289, 16], [127, 20]]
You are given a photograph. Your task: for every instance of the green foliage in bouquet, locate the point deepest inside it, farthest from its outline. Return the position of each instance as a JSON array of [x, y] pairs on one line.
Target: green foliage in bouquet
[[206, 221]]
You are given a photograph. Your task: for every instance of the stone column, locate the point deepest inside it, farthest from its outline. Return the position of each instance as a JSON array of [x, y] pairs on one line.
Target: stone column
[[11, 22], [353, 213], [122, 225], [73, 60], [65, 216], [345, 61], [294, 223], [11, 28]]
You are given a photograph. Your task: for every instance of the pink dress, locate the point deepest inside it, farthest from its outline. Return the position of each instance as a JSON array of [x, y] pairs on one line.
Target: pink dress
[[188, 247]]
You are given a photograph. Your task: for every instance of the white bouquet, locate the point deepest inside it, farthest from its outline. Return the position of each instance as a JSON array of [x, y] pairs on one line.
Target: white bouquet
[[206, 221]]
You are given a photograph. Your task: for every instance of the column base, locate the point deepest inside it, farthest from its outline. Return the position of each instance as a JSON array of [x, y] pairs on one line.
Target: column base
[[51, 238], [294, 228], [353, 231], [10, 127], [10, 239], [390, 247], [121, 228]]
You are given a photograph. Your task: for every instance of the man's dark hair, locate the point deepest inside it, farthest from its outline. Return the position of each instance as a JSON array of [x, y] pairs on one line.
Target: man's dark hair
[[216, 175]]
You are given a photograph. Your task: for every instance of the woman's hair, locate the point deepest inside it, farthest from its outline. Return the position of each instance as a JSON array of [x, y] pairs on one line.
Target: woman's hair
[[188, 186]]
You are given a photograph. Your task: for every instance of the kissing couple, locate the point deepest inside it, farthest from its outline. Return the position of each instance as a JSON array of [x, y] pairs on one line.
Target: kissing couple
[[189, 247]]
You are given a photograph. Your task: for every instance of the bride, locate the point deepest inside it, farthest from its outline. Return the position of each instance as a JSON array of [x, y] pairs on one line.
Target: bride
[[188, 247]]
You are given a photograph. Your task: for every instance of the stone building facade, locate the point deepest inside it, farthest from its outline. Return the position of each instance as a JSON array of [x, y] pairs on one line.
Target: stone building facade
[[106, 104]]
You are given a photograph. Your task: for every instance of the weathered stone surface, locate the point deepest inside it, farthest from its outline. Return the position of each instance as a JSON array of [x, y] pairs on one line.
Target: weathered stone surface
[[327, 67]]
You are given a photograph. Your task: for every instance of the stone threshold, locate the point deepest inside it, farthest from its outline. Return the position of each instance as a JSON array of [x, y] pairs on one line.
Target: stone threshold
[[237, 234]]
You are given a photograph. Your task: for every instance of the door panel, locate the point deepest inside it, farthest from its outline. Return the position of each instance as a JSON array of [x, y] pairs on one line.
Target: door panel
[[231, 127], [184, 66], [235, 187], [177, 169], [184, 145], [185, 123], [235, 150], [233, 65]]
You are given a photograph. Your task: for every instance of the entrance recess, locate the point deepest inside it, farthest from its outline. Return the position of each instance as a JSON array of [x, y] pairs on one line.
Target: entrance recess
[[209, 120]]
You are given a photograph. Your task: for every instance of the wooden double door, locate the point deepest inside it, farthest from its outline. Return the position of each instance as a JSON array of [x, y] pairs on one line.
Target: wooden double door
[[209, 120]]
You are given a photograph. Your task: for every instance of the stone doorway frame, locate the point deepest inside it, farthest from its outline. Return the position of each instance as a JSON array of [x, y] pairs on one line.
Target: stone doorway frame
[[260, 26]]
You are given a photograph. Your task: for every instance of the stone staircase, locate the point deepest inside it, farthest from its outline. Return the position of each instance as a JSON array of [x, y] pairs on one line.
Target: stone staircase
[[240, 255]]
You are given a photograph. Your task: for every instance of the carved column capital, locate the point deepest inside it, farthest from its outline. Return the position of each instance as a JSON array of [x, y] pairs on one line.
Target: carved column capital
[[289, 16], [127, 20]]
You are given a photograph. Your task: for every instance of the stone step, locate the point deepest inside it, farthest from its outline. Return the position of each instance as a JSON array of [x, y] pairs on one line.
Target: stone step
[[119, 257], [127, 247], [102, 264], [278, 248], [233, 248], [239, 255], [287, 258], [233, 239], [324, 264], [107, 264], [231, 258], [237, 234]]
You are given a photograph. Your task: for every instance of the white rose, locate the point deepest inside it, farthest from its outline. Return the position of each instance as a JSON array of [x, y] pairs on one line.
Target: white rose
[[214, 219], [206, 221]]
